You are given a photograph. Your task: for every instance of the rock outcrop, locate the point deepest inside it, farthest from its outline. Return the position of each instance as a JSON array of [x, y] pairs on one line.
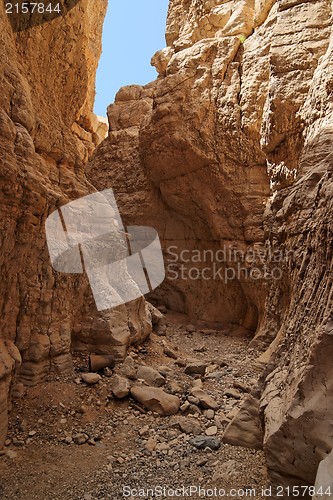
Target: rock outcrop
[[231, 148], [47, 133]]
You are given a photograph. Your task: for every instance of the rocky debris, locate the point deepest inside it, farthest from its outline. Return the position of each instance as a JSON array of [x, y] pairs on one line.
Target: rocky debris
[[232, 393], [128, 368], [242, 387], [137, 443], [196, 368], [155, 399], [120, 386], [107, 372], [158, 320], [202, 442], [151, 376], [80, 438], [189, 425], [198, 383], [91, 378], [204, 399], [170, 352]]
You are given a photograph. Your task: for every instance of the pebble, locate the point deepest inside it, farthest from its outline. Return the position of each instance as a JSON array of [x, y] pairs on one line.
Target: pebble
[[91, 378], [211, 431]]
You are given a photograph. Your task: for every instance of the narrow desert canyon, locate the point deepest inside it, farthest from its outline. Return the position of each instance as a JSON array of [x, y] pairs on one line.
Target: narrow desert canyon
[[229, 148]]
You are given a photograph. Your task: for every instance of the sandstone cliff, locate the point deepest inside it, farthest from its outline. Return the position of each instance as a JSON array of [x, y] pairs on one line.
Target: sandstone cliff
[[232, 147], [47, 132]]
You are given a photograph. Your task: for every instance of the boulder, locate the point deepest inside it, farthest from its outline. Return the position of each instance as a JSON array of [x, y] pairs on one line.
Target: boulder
[[155, 399], [151, 376]]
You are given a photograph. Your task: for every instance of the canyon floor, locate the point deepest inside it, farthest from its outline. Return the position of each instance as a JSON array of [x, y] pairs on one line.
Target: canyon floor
[[126, 446]]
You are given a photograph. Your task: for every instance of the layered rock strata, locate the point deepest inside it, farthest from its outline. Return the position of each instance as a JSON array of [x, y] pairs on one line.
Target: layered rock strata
[[47, 133], [231, 147]]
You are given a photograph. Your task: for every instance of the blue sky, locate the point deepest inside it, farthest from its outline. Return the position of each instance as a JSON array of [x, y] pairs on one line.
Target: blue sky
[[133, 32]]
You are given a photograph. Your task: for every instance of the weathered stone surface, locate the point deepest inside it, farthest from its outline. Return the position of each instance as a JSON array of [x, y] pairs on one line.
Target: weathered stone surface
[[189, 425], [91, 378], [151, 376], [234, 147], [120, 386], [155, 399], [245, 429], [196, 368], [205, 400], [202, 442], [47, 133]]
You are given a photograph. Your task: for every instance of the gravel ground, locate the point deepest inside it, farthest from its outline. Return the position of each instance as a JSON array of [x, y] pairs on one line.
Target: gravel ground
[[126, 450]]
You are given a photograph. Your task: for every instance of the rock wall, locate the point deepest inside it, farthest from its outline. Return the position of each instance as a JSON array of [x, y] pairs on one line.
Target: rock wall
[[232, 147], [47, 133]]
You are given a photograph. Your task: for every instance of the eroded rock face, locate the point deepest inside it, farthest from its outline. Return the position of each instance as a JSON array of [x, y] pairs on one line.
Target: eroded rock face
[[232, 146], [47, 133]]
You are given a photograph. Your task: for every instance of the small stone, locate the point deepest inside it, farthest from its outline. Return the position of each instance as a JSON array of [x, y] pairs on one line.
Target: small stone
[[211, 431], [80, 439], [210, 414], [128, 368], [170, 352], [151, 444], [68, 440], [155, 399], [206, 401], [232, 393], [144, 431], [202, 442], [151, 376], [8, 442], [185, 406], [242, 387], [196, 368], [189, 426], [193, 400], [32, 433], [63, 421], [107, 371], [120, 386], [164, 370], [198, 383], [91, 378], [202, 462], [221, 419], [180, 362]]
